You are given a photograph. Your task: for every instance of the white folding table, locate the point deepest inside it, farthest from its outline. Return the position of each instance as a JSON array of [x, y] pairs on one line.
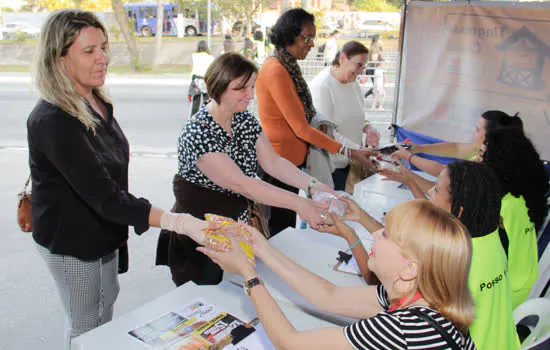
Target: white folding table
[[226, 296]]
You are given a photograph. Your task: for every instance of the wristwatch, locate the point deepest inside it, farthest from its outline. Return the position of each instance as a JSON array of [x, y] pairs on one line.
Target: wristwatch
[[248, 285]]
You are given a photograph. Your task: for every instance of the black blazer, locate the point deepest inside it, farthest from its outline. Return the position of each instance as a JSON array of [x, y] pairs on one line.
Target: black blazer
[[81, 205]]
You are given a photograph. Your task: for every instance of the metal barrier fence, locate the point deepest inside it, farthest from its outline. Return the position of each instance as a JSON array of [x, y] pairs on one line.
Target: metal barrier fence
[[382, 116]]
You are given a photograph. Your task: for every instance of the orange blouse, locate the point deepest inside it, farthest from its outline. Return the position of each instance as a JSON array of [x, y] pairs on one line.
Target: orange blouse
[[282, 115]]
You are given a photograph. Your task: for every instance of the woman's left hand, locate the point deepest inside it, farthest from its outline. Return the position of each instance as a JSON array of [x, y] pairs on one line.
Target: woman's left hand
[[404, 175], [233, 261]]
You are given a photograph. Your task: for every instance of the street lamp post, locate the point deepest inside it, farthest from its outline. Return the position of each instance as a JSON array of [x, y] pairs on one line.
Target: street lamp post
[[209, 23]]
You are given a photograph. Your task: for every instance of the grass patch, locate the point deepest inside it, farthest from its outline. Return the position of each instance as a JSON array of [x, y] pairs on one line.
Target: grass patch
[[14, 68]]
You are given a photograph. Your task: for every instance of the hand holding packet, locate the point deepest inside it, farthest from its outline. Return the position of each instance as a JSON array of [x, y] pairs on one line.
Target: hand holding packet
[[220, 239], [336, 205], [385, 162], [389, 149]]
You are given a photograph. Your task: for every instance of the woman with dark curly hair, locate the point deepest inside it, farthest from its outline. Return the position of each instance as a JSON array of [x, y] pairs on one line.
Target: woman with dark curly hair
[[285, 104], [504, 146], [512, 156]]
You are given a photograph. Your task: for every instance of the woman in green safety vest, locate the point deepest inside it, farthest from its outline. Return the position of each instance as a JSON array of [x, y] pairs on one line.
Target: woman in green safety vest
[[500, 141], [517, 164], [470, 191]]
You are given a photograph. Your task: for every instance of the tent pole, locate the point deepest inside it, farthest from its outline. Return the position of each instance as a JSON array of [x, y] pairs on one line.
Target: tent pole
[[404, 6]]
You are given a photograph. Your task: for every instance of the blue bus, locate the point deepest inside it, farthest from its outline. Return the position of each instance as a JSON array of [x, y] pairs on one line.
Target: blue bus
[[144, 18]]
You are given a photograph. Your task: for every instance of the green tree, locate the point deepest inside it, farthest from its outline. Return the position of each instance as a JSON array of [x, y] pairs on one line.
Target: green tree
[[243, 10], [375, 6], [127, 32]]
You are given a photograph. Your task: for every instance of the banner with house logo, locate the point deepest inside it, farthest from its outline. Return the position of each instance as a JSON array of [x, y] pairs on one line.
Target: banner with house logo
[[460, 60]]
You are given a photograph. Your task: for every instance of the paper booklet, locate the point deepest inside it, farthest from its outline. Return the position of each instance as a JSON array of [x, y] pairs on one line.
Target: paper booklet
[[199, 325]]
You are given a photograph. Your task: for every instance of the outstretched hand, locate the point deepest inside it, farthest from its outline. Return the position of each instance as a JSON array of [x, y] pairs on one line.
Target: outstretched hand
[[233, 261], [404, 175], [363, 156], [402, 153], [339, 228], [188, 225]]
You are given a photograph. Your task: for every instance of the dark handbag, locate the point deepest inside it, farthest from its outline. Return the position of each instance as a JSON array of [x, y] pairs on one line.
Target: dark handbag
[[258, 218], [446, 336], [197, 86], [24, 208]]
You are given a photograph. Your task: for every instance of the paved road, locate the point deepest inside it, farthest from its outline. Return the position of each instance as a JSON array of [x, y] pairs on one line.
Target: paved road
[[151, 113], [151, 110]]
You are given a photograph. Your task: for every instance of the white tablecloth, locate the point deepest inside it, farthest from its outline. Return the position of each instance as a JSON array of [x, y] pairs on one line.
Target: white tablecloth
[[377, 196], [226, 296], [317, 252]]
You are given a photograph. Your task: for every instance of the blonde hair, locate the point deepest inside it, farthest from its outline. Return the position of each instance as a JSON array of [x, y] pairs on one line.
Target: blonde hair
[[58, 33], [441, 245]]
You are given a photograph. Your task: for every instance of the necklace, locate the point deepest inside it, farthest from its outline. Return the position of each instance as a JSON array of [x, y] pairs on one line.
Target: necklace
[[401, 303]]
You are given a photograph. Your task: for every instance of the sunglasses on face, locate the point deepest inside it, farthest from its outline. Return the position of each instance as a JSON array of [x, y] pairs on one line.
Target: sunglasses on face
[[308, 38]]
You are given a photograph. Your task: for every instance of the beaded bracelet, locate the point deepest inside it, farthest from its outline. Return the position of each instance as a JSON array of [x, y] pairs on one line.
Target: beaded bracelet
[[355, 244]]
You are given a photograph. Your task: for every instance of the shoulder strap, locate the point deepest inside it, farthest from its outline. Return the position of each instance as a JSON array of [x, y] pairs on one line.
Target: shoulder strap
[[27, 183], [452, 343]]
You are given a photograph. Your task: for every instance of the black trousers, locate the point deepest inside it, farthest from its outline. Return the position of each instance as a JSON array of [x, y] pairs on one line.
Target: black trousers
[[280, 218]]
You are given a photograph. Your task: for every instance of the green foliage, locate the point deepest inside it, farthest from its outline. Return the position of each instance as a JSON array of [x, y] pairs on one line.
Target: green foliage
[[20, 37], [115, 30], [375, 6], [319, 15]]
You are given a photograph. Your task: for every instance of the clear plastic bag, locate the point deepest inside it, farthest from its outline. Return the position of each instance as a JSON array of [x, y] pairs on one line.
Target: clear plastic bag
[[336, 205]]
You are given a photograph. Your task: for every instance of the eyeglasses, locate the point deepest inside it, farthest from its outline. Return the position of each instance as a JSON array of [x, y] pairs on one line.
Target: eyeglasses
[[308, 38], [360, 65]]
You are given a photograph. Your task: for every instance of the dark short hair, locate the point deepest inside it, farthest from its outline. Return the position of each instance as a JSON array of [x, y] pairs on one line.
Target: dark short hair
[[475, 190], [334, 32], [351, 48], [289, 26], [202, 46], [259, 35], [224, 69]]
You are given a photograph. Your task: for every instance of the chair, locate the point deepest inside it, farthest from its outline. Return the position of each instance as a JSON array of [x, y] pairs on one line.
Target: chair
[[540, 308], [541, 286]]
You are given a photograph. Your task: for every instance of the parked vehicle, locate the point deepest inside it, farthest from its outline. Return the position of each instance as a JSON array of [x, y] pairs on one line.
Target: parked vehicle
[[144, 19], [10, 30], [238, 26], [371, 27]]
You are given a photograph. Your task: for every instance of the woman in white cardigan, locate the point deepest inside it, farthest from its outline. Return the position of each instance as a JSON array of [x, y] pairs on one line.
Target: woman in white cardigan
[[338, 98]]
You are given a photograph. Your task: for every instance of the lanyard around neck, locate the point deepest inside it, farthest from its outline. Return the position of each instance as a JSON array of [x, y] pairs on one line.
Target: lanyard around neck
[[401, 303]]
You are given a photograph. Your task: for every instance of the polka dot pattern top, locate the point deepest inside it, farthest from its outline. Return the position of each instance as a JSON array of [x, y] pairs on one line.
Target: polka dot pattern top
[[202, 135]]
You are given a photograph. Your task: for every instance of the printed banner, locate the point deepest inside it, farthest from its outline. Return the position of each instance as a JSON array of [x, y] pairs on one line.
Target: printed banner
[[461, 60]]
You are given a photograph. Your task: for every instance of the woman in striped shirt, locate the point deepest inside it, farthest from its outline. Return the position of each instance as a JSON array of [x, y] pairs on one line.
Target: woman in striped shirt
[[422, 257]]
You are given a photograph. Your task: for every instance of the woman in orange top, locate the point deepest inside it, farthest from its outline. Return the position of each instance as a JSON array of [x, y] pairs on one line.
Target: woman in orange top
[[286, 107]]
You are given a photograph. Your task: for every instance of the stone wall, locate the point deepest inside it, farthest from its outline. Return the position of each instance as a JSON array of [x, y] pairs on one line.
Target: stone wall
[[172, 52]]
